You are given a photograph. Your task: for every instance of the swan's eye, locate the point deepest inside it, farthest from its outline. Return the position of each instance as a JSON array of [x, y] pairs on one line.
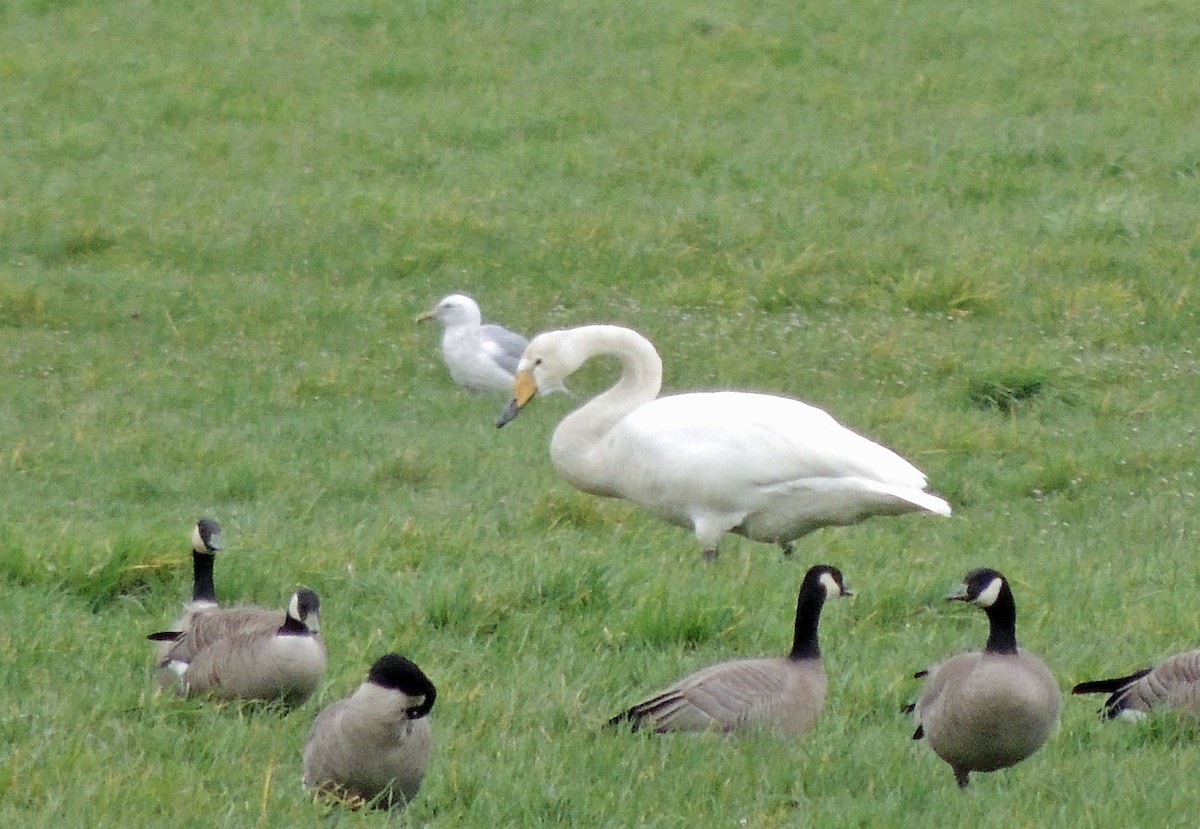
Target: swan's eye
[[537, 362]]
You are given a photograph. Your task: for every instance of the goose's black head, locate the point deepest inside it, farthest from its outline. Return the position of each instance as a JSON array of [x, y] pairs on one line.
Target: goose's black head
[[982, 587], [399, 673], [303, 613], [826, 579], [821, 582], [989, 590], [206, 537]]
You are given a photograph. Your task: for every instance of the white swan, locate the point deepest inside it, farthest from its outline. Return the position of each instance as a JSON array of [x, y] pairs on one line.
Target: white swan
[[480, 357], [766, 467]]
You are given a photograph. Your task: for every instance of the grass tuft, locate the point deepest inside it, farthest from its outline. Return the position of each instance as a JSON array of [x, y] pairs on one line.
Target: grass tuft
[[123, 575], [21, 305], [657, 622], [1009, 391], [928, 292], [566, 508]]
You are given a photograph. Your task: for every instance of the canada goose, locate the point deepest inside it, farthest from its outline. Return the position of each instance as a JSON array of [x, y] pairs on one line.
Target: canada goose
[[206, 543], [253, 660], [987, 711], [374, 744], [480, 357], [765, 467], [218, 623], [1172, 683], [782, 694]]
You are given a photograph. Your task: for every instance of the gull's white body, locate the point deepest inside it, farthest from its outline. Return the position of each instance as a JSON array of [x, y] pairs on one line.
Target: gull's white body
[[480, 357]]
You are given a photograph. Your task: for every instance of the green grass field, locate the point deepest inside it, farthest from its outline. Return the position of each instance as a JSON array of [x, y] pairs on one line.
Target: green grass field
[[969, 231]]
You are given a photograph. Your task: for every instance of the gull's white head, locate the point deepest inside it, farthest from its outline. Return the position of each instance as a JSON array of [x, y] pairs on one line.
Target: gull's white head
[[454, 310]]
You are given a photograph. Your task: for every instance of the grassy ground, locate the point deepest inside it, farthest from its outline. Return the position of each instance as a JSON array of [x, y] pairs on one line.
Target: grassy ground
[[970, 232]]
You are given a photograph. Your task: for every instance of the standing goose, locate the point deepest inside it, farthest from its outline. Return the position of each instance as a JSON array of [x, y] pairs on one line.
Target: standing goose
[[766, 467], [990, 710], [1172, 683], [253, 660], [783, 694], [480, 357], [374, 745], [206, 543]]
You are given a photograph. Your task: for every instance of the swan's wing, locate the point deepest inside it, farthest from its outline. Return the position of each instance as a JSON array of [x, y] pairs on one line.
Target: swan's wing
[[503, 346], [745, 441]]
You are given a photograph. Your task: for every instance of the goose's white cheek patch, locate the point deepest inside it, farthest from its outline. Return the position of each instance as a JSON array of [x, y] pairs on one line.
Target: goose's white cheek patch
[[832, 588], [987, 597]]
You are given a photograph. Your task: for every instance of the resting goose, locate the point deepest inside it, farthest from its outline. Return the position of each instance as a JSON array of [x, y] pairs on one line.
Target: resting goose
[[1172, 683], [782, 694], [762, 466], [206, 543], [252, 660], [989, 710], [374, 745]]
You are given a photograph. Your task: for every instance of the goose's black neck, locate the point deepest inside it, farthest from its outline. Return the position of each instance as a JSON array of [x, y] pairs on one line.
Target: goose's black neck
[[202, 577], [808, 616], [293, 627], [1002, 620]]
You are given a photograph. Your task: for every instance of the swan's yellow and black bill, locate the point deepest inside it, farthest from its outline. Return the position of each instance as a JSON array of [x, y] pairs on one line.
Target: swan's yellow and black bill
[[524, 388]]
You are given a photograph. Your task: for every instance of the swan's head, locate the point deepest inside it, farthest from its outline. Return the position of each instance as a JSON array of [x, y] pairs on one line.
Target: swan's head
[[548, 360], [456, 309]]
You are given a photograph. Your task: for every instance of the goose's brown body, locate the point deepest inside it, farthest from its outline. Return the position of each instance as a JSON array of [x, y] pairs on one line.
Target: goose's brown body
[[982, 712], [375, 744], [783, 694], [206, 543], [989, 710], [250, 653], [1172, 683]]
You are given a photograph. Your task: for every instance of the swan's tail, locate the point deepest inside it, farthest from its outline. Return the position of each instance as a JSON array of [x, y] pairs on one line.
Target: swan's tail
[[930, 502], [917, 499]]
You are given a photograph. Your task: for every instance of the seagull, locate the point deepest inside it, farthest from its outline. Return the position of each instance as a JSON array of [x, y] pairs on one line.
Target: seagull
[[480, 357]]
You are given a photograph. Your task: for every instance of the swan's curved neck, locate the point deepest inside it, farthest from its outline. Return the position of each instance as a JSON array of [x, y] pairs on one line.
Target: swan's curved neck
[[641, 367], [639, 383]]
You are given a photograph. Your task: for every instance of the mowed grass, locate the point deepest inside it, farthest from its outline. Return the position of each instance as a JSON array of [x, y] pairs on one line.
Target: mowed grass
[[969, 232]]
